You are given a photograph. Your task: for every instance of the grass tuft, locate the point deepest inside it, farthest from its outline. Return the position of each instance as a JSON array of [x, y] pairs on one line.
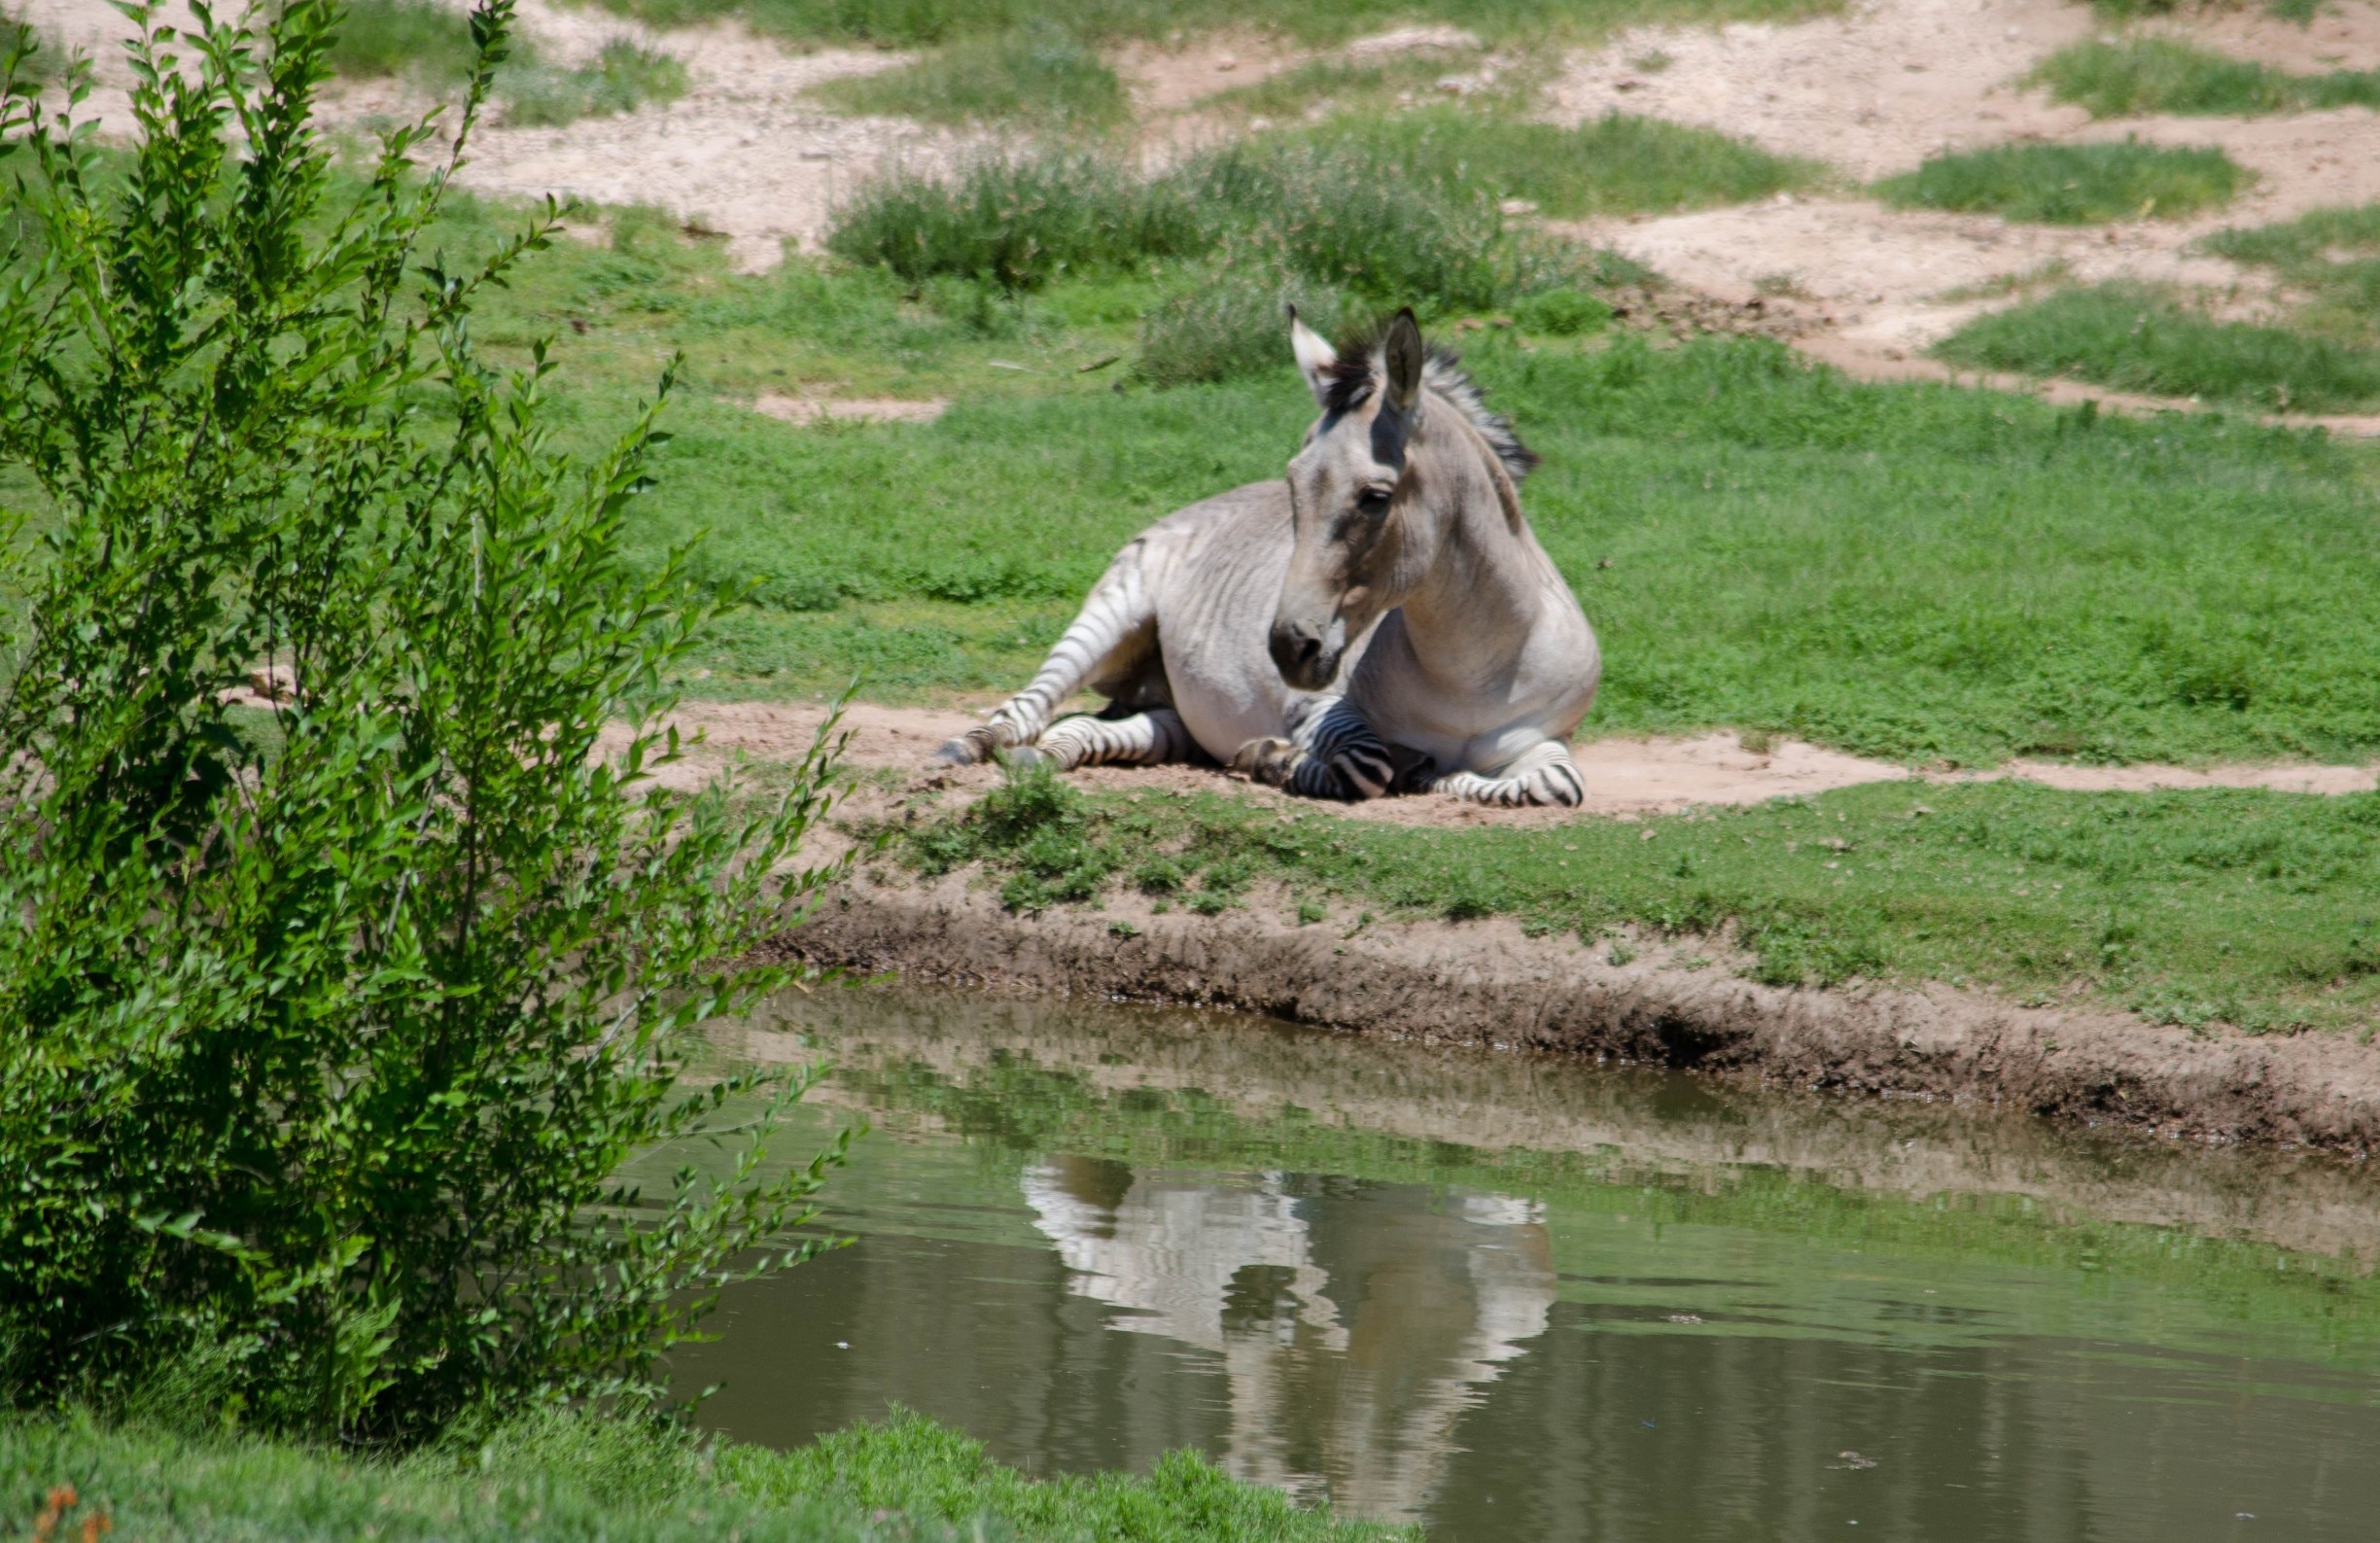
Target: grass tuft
[[1615, 164], [624, 77], [2072, 184], [2158, 75], [2136, 338], [926, 23], [2331, 256], [2301, 12], [1037, 73], [384, 38]]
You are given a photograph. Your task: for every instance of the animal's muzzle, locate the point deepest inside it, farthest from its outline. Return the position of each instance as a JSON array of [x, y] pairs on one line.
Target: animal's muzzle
[[1302, 656]]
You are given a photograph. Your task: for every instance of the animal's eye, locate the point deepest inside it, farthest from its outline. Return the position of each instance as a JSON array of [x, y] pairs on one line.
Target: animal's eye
[[1373, 500]]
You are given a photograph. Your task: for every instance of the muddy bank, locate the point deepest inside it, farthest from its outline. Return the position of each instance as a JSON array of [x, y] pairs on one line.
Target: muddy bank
[[1652, 1130], [1485, 983]]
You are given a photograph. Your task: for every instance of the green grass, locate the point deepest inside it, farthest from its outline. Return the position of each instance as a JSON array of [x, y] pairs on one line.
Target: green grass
[[1035, 73], [2071, 184], [572, 1479], [915, 23], [382, 38], [1615, 164], [1919, 575], [1913, 572], [2329, 256], [624, 76], [2138, 339], [2254, 909], [2158, 75]]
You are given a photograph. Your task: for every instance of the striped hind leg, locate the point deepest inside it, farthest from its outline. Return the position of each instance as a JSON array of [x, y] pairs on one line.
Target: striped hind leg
[[1330, 753], [1119, 617], [1542, 775], [1137, 739]]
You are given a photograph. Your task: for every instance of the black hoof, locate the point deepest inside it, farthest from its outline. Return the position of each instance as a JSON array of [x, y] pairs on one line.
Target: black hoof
[[970, 749]]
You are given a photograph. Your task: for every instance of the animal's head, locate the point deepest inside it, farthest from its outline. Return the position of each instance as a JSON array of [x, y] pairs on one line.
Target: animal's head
[[1404, 444]]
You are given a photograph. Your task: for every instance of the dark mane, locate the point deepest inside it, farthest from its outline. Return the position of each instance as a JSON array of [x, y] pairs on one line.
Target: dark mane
[[1362, 362]]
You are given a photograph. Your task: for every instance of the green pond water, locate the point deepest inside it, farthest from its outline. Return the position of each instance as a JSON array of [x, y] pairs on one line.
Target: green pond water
[[1515, 1298]]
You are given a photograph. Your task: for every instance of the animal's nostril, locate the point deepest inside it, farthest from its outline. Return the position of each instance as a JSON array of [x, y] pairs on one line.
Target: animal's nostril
[[1306, 649]]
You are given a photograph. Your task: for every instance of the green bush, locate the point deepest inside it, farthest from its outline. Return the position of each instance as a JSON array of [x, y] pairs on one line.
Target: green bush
[[2072, 184], [1295, 212], [1019, 221], [1342, 215], [1036, 73], [326, 1026], [624, 77], [1228, 325], [2136, 338]]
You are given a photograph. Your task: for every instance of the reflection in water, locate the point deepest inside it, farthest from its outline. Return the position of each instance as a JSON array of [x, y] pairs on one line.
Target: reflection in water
[[1521, 1301], [1353, 1327]]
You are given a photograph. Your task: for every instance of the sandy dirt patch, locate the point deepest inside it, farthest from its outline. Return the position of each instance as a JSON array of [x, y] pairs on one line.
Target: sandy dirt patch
[[1878, 89], [2344, 36], [744, 153], [848, 409], [1182, 73], [1870, 92], [1627, 776]]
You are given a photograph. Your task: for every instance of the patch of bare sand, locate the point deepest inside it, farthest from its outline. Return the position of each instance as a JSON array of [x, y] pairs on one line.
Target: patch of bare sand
[[1181, 73], [1885, 278], [848, 409], [1626, 778], [745, 150], [1871, 92]]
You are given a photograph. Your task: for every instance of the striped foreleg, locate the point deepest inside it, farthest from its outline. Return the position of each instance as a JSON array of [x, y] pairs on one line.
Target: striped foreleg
[[1138, 739], [1542, 775], [1118, 606], [1332, 753]]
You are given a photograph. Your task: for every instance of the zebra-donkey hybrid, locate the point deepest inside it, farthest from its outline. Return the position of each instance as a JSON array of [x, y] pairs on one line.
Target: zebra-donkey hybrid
[[1380, 618]]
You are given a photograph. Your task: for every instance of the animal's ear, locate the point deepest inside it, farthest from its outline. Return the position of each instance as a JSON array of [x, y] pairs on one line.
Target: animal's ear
[[1315, 357], [1406, 357]]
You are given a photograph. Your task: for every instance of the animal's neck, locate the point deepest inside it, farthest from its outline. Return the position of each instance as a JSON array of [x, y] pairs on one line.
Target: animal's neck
[[1470, 616]]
